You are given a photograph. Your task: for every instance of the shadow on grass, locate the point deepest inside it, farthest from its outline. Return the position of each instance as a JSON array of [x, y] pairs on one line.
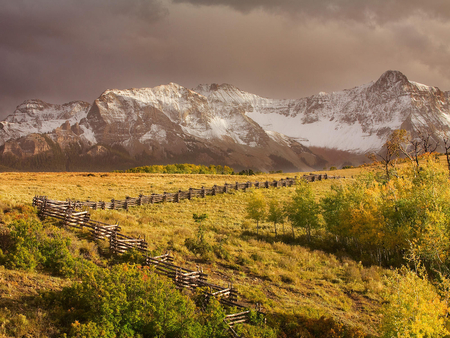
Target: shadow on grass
[[329, 244]]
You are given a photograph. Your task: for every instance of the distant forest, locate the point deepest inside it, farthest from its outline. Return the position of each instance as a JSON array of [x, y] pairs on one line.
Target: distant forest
[[181, 169]]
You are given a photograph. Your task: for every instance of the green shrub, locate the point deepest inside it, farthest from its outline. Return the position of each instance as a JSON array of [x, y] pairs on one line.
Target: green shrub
[[199, 245], [25, 248], [132, 256], [31, 246], [129, 301], [221, 252]]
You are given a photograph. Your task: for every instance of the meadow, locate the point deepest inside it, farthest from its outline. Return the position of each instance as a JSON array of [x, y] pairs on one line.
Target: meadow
[[290, 276]]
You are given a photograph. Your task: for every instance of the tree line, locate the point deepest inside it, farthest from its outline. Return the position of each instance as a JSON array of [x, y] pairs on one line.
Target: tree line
[[182, 168]]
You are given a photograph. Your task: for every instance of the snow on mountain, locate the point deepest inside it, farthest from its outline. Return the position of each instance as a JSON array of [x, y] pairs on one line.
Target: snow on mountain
[[193, 112], [225, 125], [357, 120], [38, 117]]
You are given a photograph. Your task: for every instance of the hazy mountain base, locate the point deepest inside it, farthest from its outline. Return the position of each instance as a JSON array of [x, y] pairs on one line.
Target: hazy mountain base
[[40, 153], [339, 158]]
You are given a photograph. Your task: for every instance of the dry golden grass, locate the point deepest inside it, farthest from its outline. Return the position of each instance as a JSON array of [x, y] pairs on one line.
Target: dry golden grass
[[281, 273], [22, 187]]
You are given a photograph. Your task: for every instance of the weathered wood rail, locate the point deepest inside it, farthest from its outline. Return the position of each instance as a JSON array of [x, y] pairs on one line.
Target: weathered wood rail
[[176, 197]]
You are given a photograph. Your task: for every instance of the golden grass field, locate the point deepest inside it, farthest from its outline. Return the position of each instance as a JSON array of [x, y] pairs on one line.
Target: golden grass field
[[20, 187], [281, 273]]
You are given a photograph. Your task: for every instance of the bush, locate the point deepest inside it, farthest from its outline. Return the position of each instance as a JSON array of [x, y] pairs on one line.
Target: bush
[[129, 301], [33, 247], [199, 245], [131, 256]]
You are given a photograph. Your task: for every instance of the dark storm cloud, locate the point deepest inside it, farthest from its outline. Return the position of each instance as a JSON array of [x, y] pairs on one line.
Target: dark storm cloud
[[56, 50], [358, 10], [64, 50]]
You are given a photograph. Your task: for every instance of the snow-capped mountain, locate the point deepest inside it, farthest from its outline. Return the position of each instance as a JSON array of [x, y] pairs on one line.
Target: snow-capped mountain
[[357, 120], [37, 116], [220, 124], [164, 124]]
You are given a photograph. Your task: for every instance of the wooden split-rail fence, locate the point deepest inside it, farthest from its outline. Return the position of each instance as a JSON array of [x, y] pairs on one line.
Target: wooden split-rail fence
[[119, 243], [175, 197], [71, 215]]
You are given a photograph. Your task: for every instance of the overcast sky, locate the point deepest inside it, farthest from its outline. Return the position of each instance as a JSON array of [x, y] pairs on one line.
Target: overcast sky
[[66, 50]]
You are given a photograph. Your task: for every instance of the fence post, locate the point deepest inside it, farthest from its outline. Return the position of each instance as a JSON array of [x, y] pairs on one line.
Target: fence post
[[44, 205], [203, 192], [112, 241], [67, 215], [190, 194], [85, 220], [237, 186]]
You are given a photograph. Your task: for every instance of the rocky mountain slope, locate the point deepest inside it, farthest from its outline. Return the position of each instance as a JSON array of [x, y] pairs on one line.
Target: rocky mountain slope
[[357, 120], [220, 124], [165, 124]]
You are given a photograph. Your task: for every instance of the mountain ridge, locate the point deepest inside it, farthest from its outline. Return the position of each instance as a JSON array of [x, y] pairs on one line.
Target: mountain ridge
[[221, 124]]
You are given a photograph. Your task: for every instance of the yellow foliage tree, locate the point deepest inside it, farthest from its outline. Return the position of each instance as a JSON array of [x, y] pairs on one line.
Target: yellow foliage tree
[[256, 208], [413, 307], [384, 218]]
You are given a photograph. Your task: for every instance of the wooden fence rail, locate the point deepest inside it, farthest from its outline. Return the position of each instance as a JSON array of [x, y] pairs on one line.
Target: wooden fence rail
[[120, 243], [176, 197]]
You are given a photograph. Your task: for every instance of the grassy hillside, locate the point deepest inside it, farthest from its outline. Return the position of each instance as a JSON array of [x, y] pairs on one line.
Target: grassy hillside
[[306, 282]]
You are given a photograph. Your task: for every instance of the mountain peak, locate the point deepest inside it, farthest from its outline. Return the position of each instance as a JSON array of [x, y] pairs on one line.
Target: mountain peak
[[32, 104], [206, 89], [391, 78]]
